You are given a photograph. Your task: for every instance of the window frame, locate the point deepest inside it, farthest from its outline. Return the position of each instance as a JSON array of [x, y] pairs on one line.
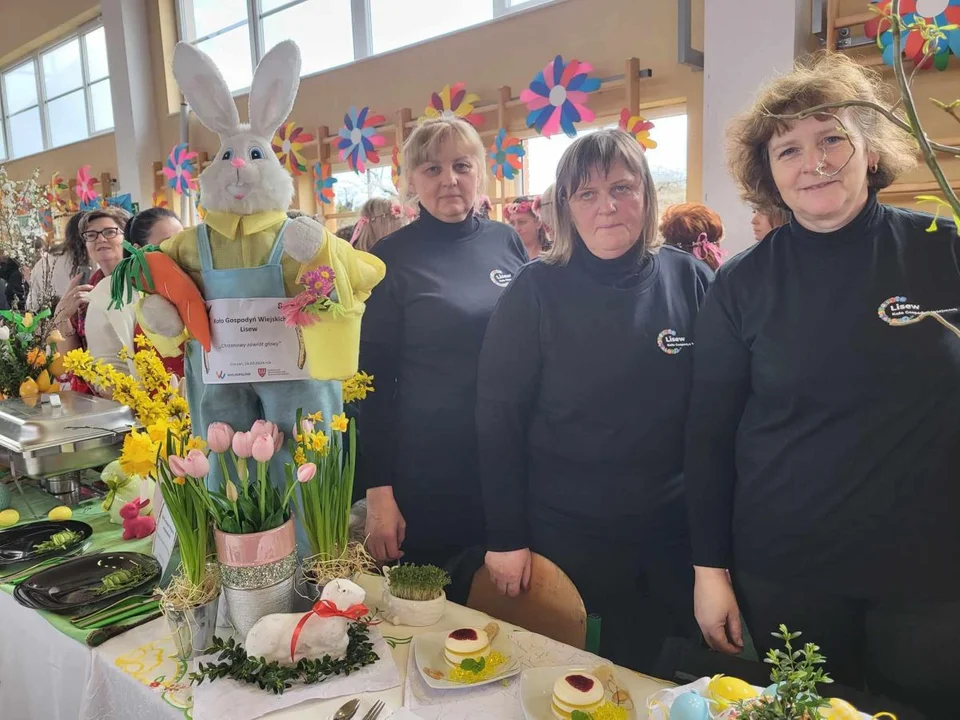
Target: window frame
[[36, 59], [362, 27]]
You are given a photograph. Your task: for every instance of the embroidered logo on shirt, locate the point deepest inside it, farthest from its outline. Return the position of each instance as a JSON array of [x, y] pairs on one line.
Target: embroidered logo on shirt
[[671, 343], [898, 310], [500, 278]]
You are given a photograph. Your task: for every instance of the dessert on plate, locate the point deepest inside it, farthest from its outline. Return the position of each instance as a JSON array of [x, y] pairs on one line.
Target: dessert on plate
[[466, 644], [576, 691]]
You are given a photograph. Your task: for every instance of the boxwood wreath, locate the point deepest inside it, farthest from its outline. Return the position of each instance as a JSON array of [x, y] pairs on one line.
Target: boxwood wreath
[[234, 663]]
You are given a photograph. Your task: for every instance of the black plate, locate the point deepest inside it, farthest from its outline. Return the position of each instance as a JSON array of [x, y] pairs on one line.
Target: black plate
[[72, 585], [17, 545]]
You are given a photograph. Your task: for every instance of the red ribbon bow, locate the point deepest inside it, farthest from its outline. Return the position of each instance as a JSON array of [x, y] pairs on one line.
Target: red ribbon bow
[[326, 609]]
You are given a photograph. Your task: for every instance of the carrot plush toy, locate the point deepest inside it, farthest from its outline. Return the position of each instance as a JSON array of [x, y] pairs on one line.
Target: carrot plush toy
[[243, 263]]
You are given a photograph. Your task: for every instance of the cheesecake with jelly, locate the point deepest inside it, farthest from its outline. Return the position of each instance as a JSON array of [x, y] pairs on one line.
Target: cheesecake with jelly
[[466, 644], [576, 691]]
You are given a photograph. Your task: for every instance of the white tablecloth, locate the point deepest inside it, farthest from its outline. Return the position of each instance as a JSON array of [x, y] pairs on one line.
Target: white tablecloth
[[45, 675]]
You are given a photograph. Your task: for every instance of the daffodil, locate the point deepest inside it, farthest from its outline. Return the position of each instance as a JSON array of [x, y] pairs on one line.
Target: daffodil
[[139, 455], [179, 481], [339, 423], [316, 417], [299, 457], [196, 443]]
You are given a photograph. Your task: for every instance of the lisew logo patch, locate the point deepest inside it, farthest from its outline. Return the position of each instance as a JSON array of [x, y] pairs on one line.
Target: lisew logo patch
[[672, 343], [500, 278], [262, 372], [897, 310]]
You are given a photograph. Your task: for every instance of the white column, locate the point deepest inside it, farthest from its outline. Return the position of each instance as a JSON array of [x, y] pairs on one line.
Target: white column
[[131, 84], [746, 42]]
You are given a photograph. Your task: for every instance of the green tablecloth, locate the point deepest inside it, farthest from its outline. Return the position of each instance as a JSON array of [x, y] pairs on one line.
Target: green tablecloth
[[106, 536]]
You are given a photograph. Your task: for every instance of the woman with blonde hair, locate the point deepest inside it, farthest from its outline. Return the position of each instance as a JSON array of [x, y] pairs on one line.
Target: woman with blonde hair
[[823, 445], [766, 220], [421, 340], [378, 218], [584, 376]]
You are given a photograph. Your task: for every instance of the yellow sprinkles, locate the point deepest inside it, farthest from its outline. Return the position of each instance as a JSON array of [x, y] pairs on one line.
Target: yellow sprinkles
[[609, 711], [494, 660]]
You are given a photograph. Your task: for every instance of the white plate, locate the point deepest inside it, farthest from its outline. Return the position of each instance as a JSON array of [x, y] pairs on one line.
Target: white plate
[[536, 690], [428, 653]]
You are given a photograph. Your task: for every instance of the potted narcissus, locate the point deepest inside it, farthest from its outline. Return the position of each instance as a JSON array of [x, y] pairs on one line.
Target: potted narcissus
[[253, 525]]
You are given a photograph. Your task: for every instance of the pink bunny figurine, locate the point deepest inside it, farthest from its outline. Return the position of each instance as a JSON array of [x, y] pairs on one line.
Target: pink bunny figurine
[[135, 526]]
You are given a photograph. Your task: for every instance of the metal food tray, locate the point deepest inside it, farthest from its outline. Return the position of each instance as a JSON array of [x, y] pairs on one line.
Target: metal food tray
[[41, 439]]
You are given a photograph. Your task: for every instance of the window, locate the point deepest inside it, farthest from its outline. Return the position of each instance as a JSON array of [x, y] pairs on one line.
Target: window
[[237, 33], [59, 95], [351, 190], [668, 161]]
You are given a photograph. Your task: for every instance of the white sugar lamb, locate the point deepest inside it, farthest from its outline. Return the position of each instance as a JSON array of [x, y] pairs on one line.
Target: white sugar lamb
[[270, 637]]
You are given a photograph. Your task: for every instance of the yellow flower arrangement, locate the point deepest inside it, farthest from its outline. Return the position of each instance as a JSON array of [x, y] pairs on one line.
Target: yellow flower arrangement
[[357, 387], [37, 358]]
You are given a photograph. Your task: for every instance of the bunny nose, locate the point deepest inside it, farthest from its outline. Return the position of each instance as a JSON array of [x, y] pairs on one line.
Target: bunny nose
[[238, 162]]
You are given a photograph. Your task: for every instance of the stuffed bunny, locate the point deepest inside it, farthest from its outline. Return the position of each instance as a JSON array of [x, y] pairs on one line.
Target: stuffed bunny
[[247, 249], [135, 525], [341, 603]]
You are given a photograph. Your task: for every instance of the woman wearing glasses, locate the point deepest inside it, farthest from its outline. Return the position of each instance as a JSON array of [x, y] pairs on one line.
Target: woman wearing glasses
[[100, 330]]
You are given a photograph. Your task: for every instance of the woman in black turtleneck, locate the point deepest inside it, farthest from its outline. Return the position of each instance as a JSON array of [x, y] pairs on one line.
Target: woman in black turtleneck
[[421, 340], [584, 377]]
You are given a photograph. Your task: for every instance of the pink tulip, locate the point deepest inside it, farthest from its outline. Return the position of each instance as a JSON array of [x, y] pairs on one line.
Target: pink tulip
[[306, 472], [263, 449], [278, 443], [243, 444], [219, 437], [177, 466], [307, 426], [196, 464], [262, 427]]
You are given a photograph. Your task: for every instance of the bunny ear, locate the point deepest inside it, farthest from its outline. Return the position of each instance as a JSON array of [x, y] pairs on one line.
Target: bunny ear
[[274, 88], [205, 89]]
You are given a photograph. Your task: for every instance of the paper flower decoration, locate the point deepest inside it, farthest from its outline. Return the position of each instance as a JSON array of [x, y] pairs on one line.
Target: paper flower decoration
[[287, 144], [359, 139], [179, 169], [557, 97], [915, 46], [454, 100], [57, 186], [504, 156], [124, 202], [639, 127], [323, 183], [160, 199], [395, 167], [85, 183], [46, 220]]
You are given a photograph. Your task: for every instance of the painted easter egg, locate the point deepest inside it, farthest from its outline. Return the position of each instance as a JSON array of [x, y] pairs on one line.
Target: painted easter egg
[[61, 512], [689, 706], [9, 517], [725, 691]]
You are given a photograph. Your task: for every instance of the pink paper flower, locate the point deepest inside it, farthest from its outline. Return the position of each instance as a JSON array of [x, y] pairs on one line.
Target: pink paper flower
[[219, 437], [243, 444], [263, 448], [294, 310], [319, 281], [306, 472]]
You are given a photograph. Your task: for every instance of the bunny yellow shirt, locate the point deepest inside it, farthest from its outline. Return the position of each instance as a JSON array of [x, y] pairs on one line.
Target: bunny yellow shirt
[[236, 241]]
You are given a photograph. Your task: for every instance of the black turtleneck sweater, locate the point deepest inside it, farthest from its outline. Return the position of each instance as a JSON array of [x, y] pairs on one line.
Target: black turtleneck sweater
[[584, 379], [823, 438], [421, 339]]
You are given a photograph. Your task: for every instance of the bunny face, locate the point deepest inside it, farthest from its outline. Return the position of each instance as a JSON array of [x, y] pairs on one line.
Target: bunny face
[[246, 176]]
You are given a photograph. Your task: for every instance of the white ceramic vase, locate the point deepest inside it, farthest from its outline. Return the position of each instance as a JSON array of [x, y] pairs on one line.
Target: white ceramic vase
[[413, 613]]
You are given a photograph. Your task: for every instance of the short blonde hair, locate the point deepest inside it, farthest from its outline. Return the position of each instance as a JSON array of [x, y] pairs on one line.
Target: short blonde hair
[[425, 142], [600, 151], [378, 218], [546, 206], [819, 79]]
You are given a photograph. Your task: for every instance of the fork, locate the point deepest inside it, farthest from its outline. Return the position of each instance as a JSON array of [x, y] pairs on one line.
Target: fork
[[375, 711]]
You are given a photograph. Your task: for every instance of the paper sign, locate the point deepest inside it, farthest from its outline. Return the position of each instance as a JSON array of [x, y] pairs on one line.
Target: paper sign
[[250, 343], [165, 543]]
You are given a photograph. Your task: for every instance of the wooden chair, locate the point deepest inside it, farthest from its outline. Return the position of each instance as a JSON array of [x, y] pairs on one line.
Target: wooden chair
[[552, 606]]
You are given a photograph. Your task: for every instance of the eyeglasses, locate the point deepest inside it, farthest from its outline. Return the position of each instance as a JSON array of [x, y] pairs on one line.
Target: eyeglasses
[[108, 234]]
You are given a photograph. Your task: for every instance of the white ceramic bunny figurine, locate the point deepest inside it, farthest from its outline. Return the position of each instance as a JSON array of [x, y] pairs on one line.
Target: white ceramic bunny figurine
[[270, 637]]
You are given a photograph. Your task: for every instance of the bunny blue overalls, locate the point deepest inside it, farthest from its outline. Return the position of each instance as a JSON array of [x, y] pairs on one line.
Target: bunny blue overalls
[[240, 404]]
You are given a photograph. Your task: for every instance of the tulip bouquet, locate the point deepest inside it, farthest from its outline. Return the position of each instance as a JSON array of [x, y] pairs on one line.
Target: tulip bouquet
[[251, 503], [29, 361]]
